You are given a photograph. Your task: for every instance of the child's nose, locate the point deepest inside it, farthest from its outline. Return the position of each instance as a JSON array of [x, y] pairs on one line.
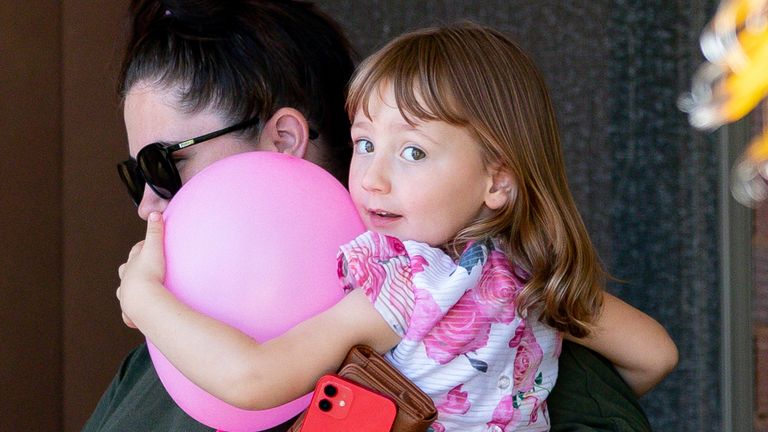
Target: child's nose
[[376, 177]]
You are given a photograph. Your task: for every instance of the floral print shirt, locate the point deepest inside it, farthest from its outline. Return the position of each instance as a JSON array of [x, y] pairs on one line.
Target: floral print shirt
[[463, 343]]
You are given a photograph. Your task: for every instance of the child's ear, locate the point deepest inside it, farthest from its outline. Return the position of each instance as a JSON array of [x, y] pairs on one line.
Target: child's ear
[[287, 131], [503, 188]]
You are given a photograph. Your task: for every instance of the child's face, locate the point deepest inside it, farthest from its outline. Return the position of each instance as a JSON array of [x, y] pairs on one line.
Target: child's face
[[422, 183]]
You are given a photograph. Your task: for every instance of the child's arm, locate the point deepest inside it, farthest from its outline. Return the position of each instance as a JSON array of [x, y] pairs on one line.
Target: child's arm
[[224, 361], [637, 345]]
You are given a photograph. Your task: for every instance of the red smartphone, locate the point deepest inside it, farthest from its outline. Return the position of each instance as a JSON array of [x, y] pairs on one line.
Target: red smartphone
[[341, 405]]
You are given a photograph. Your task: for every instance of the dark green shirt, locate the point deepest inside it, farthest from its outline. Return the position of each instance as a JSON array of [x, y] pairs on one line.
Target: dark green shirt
[[589, 397], [137, 401]]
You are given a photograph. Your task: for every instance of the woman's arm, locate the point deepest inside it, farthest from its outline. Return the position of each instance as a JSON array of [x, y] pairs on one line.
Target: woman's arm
[[228, 363], [637, 345]]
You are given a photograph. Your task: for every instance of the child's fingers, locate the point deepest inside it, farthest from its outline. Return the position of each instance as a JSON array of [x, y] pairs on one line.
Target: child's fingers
[[154, 238], [135, 250], [126, 319], [121, 270]]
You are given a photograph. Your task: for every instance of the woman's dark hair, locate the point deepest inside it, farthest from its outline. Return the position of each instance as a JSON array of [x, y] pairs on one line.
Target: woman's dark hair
[[246, 58]]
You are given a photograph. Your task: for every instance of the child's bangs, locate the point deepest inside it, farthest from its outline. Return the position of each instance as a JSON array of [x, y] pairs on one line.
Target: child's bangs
[[421, 78]]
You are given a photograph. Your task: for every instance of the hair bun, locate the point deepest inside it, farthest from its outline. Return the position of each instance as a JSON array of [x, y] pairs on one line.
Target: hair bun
[[201, 15]]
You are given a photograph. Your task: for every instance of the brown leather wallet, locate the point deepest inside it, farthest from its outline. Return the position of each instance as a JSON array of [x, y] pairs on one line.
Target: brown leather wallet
[[415, 410]]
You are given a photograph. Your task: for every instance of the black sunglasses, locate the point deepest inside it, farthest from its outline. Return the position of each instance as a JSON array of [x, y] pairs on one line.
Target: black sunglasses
[[154, 166]]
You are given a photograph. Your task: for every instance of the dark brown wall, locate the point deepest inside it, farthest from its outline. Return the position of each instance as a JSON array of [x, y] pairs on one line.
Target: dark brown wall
[[99, 222], [30, 210], [65, 223]]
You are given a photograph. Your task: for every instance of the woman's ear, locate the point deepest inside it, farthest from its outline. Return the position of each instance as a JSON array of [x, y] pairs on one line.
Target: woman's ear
[[287, 131], [502, 190]]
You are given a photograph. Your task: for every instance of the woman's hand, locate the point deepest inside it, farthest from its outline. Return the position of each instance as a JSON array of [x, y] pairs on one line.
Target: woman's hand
[[142, 276]]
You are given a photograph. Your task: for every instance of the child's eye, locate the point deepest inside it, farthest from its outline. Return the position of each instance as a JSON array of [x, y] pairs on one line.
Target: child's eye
[[413, 153], [363, 146]]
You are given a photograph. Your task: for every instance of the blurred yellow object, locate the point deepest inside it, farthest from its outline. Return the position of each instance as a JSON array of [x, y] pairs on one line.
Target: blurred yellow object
[[748, 185], [732, 82], [749, 86], [758, 148], [735, 78], [723, 41]]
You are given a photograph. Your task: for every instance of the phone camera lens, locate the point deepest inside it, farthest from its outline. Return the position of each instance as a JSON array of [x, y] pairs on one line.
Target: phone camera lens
[[330, 390], [324, 405]]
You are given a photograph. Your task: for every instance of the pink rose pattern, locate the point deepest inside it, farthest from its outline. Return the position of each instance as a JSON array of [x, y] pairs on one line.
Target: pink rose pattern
[[498, 288], [418, 263], [465, 327], [455, 402], [362, 269], [395, 247], [372, 259], [505, 415], [436, 427], [426, 314], [538, 406], [528, 358]]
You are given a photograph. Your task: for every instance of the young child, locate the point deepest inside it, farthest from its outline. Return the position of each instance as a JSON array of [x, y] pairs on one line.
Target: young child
[[476, 264]]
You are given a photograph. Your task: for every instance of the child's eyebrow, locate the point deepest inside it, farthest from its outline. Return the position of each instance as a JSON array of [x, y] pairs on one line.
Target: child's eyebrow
[[405, 126], [362, 124]]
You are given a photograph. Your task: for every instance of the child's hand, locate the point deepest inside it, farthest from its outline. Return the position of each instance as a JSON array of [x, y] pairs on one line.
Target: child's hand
[[144, 272]]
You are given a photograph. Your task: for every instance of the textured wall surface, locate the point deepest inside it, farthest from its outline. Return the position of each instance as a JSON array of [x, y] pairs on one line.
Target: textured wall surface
[[760, 294], [645, 182]]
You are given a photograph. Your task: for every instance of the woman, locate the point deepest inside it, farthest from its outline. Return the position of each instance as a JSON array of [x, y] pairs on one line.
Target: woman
[[263, 75]]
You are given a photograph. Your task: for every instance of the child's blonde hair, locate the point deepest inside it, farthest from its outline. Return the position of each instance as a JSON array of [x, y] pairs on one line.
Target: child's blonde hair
[[474, 77]]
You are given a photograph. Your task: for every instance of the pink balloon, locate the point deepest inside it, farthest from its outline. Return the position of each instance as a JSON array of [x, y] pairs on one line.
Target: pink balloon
[[251, 241]]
